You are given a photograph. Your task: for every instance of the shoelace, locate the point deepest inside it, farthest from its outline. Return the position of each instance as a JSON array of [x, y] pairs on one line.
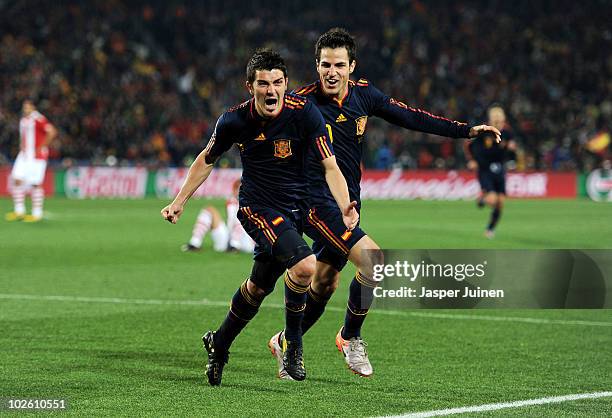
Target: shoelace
[[358, 347], [295, 353]]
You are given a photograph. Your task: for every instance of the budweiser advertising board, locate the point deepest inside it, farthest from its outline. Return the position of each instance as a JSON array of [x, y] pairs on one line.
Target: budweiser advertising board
[[453, 185]]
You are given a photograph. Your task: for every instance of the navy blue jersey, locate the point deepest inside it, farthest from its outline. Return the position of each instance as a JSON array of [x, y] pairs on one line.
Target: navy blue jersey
[[273, 151], [488, 153], [346, 122]]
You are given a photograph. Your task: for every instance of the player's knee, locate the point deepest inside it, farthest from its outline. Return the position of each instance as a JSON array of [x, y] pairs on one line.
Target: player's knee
[[258, 292], [304, 270], [326, 281], [491, 199], [371, 255], [263, 277], [328, 287]]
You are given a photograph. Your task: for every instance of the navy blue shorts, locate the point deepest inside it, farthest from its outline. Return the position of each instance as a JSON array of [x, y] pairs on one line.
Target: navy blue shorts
[[492, 182], [277, 234], [332, 242]]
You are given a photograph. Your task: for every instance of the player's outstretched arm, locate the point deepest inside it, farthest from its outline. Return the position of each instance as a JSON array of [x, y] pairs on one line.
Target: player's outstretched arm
[[198, 173], [337, 185], [400, 114]]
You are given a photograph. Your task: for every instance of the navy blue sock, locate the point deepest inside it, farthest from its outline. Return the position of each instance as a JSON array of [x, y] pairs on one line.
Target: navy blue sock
[[315, 306], [495, 215], [243, 308], [361, 295], [295, 304]]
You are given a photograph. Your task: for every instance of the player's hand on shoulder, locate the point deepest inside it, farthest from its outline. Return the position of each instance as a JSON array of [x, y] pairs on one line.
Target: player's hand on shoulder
[[472, 165], [172, 212], [350, 216], [479, 129]]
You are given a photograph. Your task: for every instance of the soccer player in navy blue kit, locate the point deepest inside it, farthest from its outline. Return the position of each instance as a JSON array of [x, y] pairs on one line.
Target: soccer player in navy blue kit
[[274, 132], [346, 106], [488, 157]]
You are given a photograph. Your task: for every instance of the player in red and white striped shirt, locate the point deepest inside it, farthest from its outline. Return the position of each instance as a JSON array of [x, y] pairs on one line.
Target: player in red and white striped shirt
[[35, 134], [226, 237]]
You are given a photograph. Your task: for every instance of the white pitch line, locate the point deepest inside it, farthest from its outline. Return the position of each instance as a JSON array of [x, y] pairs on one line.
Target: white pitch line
[[206, 302], [504, 405], [526, 320]]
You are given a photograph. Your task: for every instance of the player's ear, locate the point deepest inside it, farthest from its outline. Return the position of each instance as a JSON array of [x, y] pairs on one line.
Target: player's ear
[[352, 66], [249, 87]]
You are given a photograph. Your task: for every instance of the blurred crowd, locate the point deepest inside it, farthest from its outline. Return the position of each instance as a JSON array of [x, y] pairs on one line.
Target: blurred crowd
[[142, 82]]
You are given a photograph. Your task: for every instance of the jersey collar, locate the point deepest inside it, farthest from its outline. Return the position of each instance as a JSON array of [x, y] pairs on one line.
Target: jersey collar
[[339, 102]]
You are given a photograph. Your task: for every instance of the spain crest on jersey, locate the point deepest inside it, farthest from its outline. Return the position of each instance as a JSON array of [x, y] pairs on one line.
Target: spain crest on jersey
[[361, 123], [282, 148]]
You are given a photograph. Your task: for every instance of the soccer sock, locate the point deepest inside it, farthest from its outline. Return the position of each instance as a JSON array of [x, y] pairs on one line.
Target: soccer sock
[[38, 198], [295, 303], [19, 199], [243, 308], [201, 227], [315, 306], [494, 218], [361, 295]]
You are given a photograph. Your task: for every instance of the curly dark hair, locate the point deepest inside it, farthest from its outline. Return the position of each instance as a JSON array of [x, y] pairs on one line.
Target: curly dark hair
[[265, 59], [336, 38]]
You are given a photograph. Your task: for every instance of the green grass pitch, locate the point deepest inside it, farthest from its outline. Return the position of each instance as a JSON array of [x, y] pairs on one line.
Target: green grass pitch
[[123, 336]]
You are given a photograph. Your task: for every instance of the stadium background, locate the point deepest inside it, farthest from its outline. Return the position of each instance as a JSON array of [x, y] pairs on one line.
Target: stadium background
[[100, 307]]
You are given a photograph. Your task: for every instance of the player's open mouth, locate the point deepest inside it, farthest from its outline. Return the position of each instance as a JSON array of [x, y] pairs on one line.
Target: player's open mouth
[[332, 83], [271, 101]]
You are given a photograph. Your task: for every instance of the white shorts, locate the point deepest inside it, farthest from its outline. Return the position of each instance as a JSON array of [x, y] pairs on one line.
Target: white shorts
[[220, 237], [29, 170], [245, 244]]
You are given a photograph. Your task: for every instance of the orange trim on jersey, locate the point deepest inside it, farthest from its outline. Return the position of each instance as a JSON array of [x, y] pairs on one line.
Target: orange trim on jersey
[[265, 227], [431, 115], [278, 221], [320, 148], [346, 93], [306, 89], [294, 101], [261, 224], [346, 235], [324, 229], [323, 148]]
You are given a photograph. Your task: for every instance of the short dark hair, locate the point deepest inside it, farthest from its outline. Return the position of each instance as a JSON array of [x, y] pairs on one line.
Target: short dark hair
[[265, 59], [336, 38]]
